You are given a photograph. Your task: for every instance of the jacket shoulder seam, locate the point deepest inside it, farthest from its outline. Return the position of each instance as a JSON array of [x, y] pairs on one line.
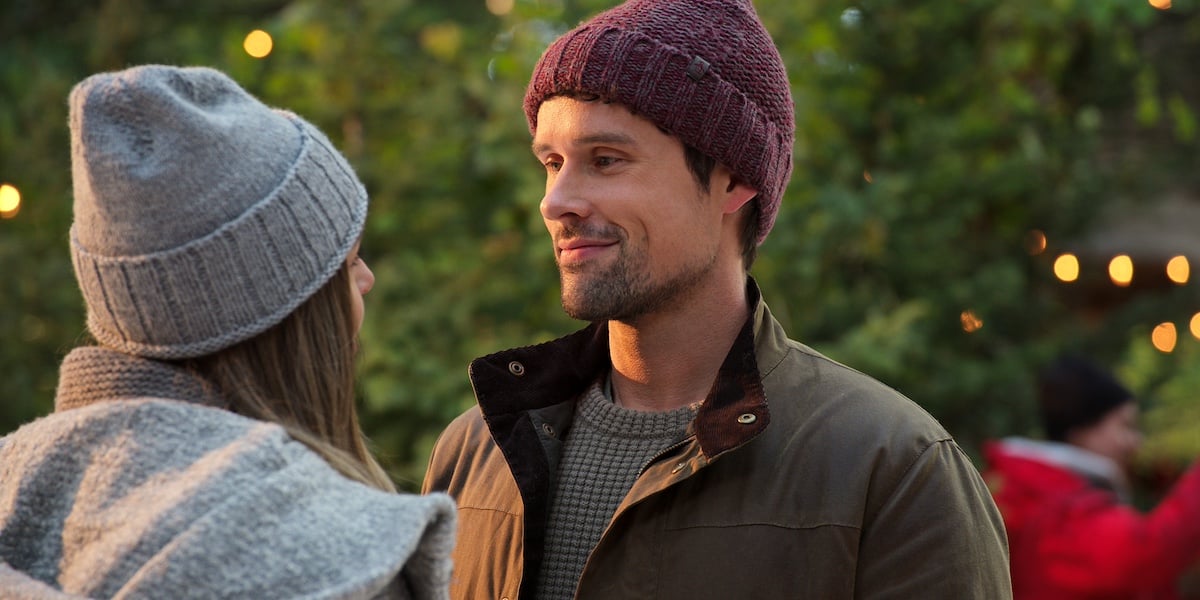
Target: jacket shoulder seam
[[909, 467]]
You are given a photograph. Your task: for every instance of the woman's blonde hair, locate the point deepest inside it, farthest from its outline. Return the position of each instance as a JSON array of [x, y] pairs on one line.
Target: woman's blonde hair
[[300, 374]]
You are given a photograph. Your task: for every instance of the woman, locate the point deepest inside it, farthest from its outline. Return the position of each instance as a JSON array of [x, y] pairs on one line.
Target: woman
[[208, 445]]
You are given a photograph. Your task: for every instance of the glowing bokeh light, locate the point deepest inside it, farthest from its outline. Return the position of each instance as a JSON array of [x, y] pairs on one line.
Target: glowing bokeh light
[[442, 40], [1178, 269], [10, 201], [1066, 267], [970, 322], [1163, 337], [500, 7], [1194, 326], [1035, 242], [258, 43], [1120, 270], [851, 17], [867, 177], [1161, 4]]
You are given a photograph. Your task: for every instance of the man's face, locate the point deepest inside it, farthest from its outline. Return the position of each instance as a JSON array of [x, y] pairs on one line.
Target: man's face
[[1116, 435], [633, 231]]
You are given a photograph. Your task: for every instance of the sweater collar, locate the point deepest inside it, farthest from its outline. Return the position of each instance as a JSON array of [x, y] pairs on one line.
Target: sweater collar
[[511, 382], [92, 374]]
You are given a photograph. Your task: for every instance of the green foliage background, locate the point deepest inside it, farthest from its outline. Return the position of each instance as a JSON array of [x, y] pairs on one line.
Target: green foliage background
[[932, 138]]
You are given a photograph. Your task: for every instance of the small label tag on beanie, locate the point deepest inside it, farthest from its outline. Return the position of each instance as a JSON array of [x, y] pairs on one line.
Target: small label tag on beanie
[[698, 69]]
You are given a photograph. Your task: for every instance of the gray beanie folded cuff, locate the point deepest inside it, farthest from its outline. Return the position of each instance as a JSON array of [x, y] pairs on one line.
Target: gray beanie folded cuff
[[193, 300]]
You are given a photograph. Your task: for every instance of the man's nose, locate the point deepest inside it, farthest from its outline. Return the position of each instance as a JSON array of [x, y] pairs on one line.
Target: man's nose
[[566, 197]]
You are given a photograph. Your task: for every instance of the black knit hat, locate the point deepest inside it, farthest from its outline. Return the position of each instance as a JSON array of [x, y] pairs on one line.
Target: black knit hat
[[706, 71], [1074, 392]]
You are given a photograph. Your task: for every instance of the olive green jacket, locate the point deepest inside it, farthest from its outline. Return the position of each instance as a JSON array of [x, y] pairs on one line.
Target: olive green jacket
[[800, 478]]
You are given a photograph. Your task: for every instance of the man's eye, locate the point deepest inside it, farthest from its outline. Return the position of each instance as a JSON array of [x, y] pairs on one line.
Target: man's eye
[[605, 161]]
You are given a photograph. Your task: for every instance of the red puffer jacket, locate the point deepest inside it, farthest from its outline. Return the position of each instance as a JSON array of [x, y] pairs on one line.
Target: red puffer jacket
[[1071, 538]]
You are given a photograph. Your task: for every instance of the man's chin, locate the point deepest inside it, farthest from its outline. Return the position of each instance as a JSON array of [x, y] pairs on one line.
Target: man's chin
[[578, 309], [580, 305]]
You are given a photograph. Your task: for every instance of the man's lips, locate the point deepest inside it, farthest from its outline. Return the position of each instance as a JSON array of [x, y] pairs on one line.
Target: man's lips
[[576, 250]]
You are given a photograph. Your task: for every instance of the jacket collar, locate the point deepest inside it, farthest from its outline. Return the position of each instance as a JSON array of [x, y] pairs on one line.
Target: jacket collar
[[510, 383]]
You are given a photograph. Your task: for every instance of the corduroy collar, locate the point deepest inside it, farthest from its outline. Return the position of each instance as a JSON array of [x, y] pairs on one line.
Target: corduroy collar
[[509, 383]]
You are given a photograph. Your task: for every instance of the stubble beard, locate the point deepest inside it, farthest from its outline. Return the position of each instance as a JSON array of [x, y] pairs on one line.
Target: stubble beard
[[625, 290]]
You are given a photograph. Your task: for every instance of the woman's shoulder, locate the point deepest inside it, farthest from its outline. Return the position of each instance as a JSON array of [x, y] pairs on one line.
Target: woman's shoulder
[[200, 488]]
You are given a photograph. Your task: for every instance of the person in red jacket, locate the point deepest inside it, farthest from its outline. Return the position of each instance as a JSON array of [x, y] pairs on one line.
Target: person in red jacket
[[1072, 533]]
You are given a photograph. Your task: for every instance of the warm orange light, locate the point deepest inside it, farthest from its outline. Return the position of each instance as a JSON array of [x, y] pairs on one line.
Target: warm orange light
[[1161, 4], [1120, 270], [1194, 326], [258, 43], [1163, 337], [1035, 242], [1066, 267], [500, 7], [970, 322], [1178, 269], [10, 201]]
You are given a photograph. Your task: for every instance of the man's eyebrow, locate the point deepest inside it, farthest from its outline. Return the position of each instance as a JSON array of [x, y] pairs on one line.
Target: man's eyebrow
[[614, 137]]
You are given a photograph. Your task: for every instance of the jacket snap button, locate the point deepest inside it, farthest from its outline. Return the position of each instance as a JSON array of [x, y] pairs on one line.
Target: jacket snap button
[[516, 368], [548, 429], [679, 467], [747, 419]]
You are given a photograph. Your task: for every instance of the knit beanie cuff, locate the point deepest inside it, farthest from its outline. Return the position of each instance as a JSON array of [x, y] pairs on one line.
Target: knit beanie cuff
[[193, 299]]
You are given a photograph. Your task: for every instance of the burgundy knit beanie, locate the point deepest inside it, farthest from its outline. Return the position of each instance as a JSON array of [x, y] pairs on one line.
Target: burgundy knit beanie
[[706, 71]]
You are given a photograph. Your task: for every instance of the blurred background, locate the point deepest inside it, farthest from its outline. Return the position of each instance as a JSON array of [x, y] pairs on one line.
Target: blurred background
[[979, 186]]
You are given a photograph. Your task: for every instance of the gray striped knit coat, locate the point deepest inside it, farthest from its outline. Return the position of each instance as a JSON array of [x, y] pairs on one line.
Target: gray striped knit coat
[[138, 487]]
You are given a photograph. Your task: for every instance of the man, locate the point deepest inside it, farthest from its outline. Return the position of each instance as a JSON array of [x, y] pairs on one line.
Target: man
[[1065, 499], [681, 446]]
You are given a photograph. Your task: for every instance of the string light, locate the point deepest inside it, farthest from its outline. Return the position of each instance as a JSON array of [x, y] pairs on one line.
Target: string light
[[10, 201], [1120, 270], [970, 322], [499, 7], [258, 43], [1066, 267], [1163, 337], [1178, 269], [1035, 242]]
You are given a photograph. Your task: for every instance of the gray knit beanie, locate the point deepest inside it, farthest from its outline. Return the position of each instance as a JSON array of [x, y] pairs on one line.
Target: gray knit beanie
[[706, 71], [202, 216]]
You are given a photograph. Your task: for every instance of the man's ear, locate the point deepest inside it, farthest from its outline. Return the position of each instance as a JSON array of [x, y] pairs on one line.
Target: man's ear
[[736, 193]]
